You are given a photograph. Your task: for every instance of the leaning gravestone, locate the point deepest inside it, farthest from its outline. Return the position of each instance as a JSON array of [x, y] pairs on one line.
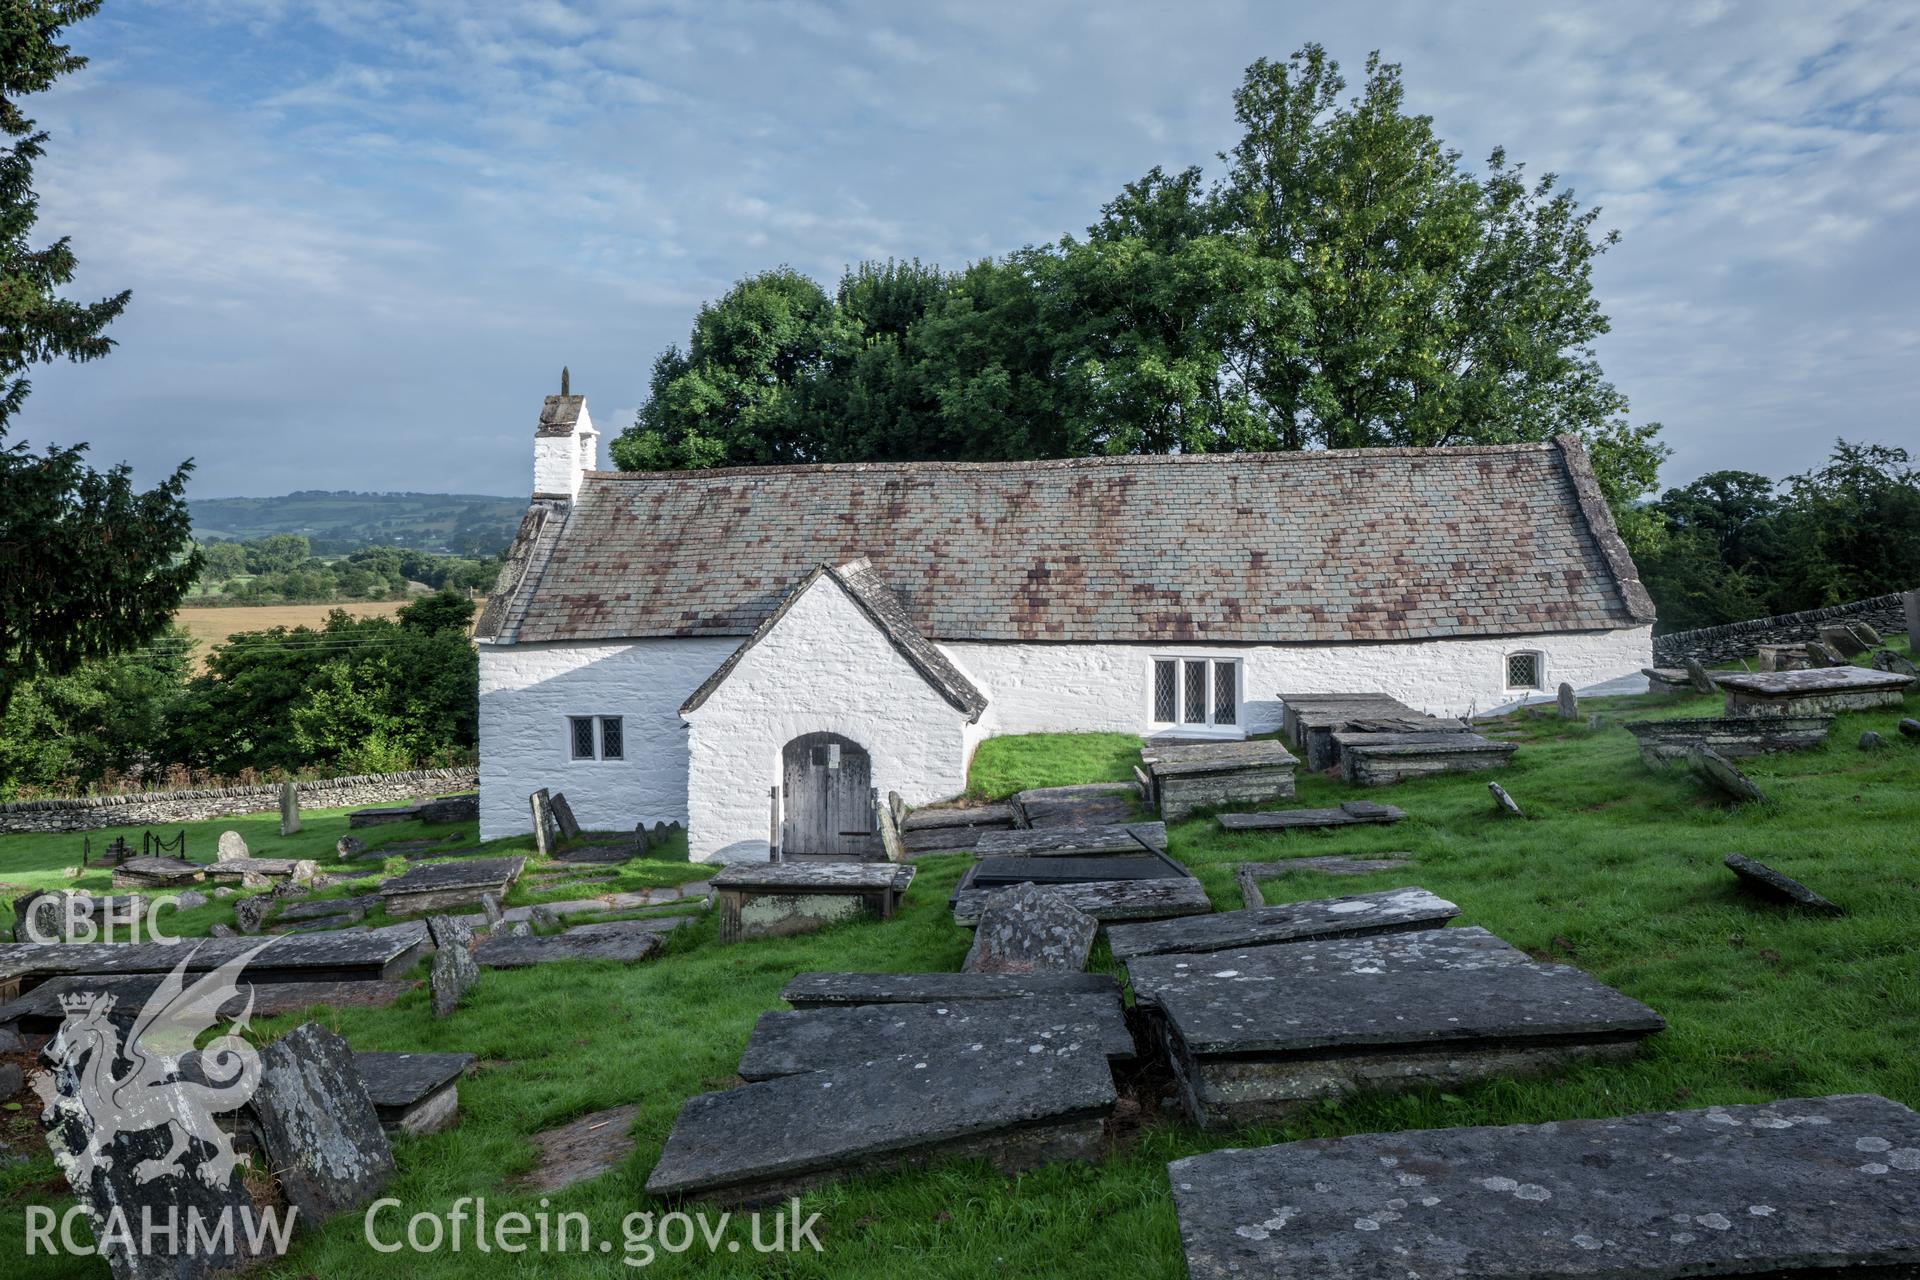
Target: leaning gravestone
[[1763, 879], [1569, 705], [563, 818], [1716, 769], [1028, 930], [1698, 676], [318, 1126], [1506, 803], [232, 848], [1821, 654], [110, 1185], [454, 968], [1844, 639], [289, 808]]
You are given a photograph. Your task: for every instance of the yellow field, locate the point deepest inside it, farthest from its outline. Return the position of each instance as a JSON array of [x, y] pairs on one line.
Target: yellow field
[[212, 626]]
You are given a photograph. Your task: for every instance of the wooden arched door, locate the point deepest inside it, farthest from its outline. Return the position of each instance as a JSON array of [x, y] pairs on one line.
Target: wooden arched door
[[827, 798]]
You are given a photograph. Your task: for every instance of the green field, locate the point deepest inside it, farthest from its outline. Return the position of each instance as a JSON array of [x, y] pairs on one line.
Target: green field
[[1616, 871]]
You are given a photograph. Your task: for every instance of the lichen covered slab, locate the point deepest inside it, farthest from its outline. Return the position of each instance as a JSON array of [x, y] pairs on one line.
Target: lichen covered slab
[[1388, 911], [1801, 1187]]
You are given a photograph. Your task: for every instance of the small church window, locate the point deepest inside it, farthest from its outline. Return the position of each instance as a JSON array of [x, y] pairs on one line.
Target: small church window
[[1524, 671], [1226, 692], [582, 727], [1166, 695], [613, 738]]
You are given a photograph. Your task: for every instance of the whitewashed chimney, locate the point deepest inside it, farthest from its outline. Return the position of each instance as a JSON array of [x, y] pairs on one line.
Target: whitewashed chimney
[[565, 445]]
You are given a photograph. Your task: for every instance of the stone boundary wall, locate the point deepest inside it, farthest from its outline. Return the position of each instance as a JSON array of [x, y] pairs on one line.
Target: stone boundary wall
[[141, 808], [1886, 614]]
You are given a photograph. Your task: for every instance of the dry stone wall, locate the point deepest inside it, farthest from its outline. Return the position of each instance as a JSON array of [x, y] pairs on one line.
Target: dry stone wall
[[1885, 614], [91, 813]]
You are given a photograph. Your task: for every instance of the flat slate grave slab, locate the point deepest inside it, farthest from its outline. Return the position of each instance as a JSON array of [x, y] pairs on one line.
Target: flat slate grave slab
[[779, 899], [1381, 759], [620, 941], [156, 873], [317, 957], [39, 1011], [440, 885], [837, 990], [1107, 901], [414, 1093], [381, 816], [1817, 692], [1664, 742], [768, 1140], [1362, 914], [1255, 1033], [953, 827], [787, 1042], [1352, 813], [990, 873], [1072, 842], [234, 870], [1800, 1188], [1310, 722], [1763, 879], [1091, 804], [1249, 874]]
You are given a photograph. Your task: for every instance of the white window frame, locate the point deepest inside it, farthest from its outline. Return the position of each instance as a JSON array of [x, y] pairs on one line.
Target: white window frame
[[599, 730], [1539, 657], [1207, 728]]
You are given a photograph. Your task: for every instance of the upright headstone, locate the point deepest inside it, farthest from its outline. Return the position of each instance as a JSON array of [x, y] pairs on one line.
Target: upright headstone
[[1569, 705], [232, 847], [289, 808], [542, 821], [317, 1123], [1912, 602], [454, 968]]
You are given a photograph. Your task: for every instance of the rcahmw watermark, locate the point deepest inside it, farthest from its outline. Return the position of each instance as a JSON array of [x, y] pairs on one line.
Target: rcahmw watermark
[[160, 1231], [643, 1236]]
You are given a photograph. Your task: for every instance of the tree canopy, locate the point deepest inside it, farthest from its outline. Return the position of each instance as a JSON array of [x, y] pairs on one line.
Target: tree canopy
[[89, 565], [1345, 282]]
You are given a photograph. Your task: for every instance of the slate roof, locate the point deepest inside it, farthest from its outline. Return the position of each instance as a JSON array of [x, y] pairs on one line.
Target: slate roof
[[881, 605], [1276, 548]]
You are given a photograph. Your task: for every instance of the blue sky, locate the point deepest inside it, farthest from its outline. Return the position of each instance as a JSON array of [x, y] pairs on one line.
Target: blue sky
[[363, 235]]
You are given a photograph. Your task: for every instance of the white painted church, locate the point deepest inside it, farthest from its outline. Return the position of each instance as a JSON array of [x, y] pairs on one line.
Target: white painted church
[[754, 651]]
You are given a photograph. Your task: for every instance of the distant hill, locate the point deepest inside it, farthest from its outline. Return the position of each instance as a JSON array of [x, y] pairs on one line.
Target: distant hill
[[338, 522]]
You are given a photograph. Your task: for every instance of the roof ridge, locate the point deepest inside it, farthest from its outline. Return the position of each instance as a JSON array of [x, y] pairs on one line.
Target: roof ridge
[[1089, 461]]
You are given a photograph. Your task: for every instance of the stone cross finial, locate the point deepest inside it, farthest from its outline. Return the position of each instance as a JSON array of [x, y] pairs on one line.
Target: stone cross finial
[[564, 380]]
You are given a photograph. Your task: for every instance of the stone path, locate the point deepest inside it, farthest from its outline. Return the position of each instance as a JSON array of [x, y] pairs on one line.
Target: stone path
[[1352, 813], [1073, 842], [1255, 1033], [584, 1148], [1388, 911], [449, 884], [765, 1141], [787, 1042], [1802, 1187], [1763, 879]]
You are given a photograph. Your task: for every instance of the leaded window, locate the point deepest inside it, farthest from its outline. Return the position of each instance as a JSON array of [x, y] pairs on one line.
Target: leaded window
[[582, 732], [1166, 692], [613, 738], [1524, 671], [1196, 692]]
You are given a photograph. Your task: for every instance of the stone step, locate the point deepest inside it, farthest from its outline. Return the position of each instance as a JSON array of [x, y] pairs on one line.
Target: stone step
[[787, 1042], [769, 1140], [1803, 1187], [1359, 915]]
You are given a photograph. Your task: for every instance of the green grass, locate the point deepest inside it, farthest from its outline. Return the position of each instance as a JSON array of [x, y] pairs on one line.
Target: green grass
[[1617, 871]]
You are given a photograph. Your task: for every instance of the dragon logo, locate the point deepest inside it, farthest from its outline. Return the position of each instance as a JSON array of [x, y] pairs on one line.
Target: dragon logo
[[166, 1081]]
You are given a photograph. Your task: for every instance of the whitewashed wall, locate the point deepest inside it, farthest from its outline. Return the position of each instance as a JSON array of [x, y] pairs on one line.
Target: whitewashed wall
[[1064, 688], [822, 668], [527, 691]]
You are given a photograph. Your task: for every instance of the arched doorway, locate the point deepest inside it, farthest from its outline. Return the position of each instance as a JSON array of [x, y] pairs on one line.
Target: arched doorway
[[827, 798]]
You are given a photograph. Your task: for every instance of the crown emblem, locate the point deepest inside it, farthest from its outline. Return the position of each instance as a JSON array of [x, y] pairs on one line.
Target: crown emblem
[[82, 1003]]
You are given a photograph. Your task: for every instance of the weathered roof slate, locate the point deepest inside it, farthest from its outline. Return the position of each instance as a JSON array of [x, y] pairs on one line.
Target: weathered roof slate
[[883, 607], [1334, 546]]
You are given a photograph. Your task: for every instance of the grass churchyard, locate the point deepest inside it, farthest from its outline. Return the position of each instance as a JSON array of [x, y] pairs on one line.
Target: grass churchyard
[[1616, 869]]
